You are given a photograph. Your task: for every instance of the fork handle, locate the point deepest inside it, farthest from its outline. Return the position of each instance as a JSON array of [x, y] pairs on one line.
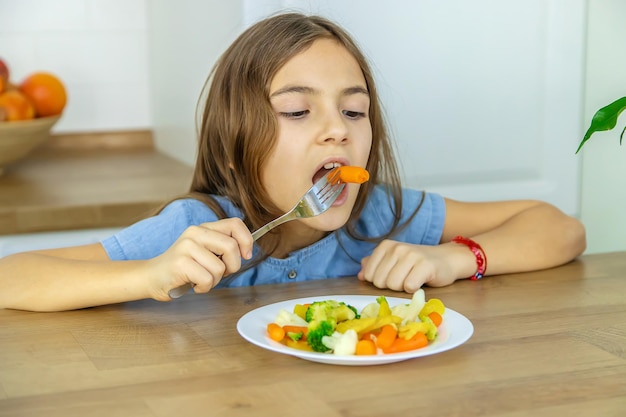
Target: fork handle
[[179, 291], [290, 215]]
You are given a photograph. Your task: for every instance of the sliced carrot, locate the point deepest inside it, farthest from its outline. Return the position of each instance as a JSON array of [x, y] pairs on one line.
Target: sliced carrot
[[369, 335], [436, 318], [353, 174], [275, 332], [402, 345], [365, 347], [386, 337], [297, 329]]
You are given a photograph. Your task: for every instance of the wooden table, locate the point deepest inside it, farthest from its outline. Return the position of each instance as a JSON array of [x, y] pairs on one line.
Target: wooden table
[[548, 343]]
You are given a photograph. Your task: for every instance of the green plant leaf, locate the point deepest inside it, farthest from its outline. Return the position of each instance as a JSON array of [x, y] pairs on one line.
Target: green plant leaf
[[605, 119]]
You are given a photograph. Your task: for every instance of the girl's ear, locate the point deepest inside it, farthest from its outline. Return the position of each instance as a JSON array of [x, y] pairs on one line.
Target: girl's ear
[[230, 165]]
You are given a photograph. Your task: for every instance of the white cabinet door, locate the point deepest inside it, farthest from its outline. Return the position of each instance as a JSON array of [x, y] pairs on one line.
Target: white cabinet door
[[483, 97]]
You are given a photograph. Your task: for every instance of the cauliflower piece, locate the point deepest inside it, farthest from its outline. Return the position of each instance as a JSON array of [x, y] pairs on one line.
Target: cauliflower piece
[[342, 343], [286, 318], [370, 310], [410, 312]]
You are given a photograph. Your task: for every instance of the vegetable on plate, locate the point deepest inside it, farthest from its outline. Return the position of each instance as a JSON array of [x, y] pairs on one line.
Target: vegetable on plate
[[334, 327]]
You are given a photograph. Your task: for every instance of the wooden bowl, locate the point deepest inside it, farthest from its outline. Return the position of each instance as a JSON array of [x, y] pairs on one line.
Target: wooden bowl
[[19, 138]]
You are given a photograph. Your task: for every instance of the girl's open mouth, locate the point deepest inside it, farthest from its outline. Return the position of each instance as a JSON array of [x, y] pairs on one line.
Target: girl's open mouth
[[329, 166]]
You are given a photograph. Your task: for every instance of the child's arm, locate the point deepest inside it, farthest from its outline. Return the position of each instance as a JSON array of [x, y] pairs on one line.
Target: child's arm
[[69, 278], [516, 236], [83, 276]]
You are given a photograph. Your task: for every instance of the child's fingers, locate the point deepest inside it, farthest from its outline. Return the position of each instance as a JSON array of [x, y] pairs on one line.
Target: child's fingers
[[204, 273], [361, 274], [378, 265], [397, 266], [203, 254], [237, 230], [190, 261], [214, 269]]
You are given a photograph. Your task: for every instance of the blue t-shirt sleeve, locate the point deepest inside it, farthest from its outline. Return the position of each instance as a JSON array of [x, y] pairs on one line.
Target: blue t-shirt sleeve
[[425, 228], [154, 235]]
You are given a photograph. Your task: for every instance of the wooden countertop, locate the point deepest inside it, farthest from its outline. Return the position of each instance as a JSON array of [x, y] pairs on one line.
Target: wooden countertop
[[88, 181], [546, 343]]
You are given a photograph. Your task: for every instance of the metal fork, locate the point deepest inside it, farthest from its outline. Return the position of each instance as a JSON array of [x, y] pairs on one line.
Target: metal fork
[[314, 202]]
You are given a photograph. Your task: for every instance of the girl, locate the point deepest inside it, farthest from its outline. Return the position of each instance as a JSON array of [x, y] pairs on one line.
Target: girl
[[291, 98]]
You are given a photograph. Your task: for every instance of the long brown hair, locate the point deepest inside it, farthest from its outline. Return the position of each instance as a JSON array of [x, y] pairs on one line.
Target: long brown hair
[[238, 127]]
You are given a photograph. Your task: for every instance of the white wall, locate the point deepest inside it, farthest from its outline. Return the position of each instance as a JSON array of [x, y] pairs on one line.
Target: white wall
[[97, 47], [482, 96], [121, 73], [603, 208], [185, 38], [10, 244]]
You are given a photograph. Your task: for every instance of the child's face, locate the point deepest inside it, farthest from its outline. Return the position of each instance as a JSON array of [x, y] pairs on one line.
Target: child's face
[[321, 101]]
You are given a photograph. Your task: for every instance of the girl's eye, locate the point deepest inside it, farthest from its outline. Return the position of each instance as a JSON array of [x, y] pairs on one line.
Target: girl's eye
[[353, 114], [295, 115]]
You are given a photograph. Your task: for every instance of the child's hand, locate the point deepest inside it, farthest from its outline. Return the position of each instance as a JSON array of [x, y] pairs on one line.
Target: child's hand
[[406, 267], [202, 255]]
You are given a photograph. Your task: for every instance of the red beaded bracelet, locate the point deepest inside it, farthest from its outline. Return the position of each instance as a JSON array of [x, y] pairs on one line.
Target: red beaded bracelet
[[477, 250]]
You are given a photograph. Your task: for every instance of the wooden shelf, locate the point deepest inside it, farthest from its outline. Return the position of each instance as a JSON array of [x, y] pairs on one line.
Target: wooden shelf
[[88, 181]]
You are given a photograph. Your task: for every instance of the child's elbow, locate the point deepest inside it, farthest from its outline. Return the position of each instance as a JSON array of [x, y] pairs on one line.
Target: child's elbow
[[575, 237]]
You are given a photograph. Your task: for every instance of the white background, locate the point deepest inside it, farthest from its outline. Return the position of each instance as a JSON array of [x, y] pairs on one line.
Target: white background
[[488, 98], [484, 97]]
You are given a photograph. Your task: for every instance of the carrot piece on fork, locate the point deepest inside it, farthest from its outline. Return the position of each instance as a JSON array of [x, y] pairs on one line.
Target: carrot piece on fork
[[352, 174]]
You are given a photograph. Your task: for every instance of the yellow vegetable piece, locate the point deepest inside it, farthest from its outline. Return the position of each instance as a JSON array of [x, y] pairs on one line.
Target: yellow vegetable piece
[[368, 324], [411, 329], [358, 325], [382, 321], [384, 309], [300, 310], [432, 332], [434, 304], [299, 344]]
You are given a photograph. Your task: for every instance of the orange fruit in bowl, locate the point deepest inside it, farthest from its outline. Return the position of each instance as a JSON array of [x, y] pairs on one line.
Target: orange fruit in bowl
[[4, 70], [16, 106], [46, 92]]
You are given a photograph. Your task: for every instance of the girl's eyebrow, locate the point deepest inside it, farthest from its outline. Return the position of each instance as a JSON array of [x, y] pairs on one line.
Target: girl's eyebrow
[[357, 89]]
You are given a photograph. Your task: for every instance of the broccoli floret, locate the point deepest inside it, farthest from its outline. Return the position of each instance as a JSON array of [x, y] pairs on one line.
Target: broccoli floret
[[330, 309], [317, 330], [323, 317], [295, 336]]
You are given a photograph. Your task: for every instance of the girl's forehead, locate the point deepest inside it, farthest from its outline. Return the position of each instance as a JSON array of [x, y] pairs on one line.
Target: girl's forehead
[[324, 60], [321, 49]]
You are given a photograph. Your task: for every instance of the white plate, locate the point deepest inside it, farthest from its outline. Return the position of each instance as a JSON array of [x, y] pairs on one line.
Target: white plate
[[455, 330]]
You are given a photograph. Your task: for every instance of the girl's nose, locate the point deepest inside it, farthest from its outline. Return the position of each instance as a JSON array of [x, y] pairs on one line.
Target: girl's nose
[[335, 128]]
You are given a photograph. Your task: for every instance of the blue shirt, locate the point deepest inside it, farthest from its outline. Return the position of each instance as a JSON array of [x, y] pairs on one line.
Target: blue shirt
[[335, 256]]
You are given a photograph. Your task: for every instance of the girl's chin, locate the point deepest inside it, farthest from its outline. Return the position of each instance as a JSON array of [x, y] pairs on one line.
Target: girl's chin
[[335, 218]]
